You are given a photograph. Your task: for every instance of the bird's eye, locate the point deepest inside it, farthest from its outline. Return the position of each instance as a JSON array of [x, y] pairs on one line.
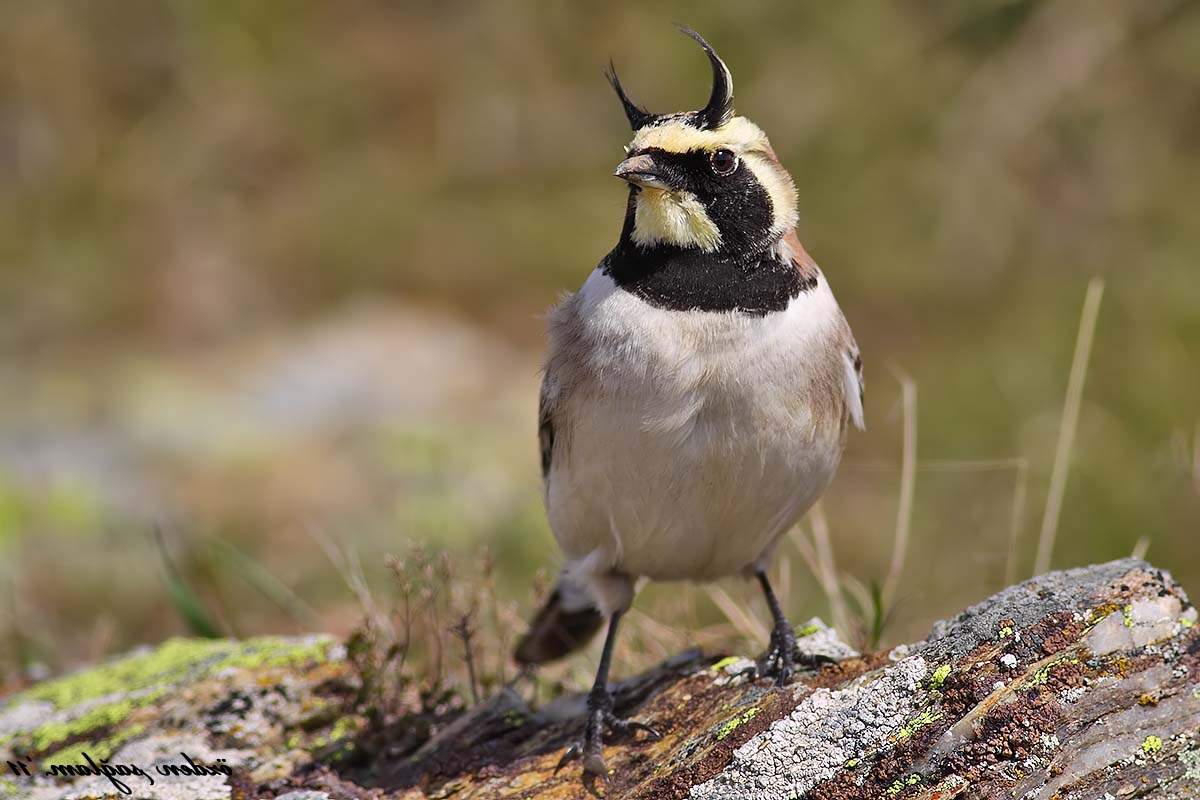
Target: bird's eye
[[723, 162]]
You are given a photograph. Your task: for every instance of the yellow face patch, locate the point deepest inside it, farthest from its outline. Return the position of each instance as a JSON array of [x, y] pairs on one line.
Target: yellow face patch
[[678, 217]]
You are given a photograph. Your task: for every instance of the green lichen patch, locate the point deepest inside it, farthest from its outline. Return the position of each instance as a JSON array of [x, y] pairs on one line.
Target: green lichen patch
[[175, 661], [1042, 675], [731, 725], [100, 750], [94, 702], [939, 676], [808, 630], [900, 784], [102, 717], [924, 719], [1151, 744], [725, 662]]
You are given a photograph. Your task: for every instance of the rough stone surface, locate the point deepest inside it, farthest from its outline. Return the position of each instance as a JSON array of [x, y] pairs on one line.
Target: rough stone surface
[[1078, 685], [814, 741]]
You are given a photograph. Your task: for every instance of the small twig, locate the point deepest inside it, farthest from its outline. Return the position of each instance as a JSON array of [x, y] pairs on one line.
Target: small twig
[[493, 601], [1070, 423], [908, 482], [463, 631]]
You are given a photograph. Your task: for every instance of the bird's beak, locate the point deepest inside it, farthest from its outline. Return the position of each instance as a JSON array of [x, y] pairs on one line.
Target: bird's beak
[[642, 170]]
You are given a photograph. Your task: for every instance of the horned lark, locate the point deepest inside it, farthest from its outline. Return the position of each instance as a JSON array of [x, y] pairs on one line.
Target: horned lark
[[697, 392]]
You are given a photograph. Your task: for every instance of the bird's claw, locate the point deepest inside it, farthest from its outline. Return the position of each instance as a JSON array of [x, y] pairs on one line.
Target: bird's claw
[[783, 658], [601, 721]]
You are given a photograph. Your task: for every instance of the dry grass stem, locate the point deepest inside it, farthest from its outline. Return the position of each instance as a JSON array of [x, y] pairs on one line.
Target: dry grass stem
[[745, 624], [1196, 459], [349, 567], [908, 483], [807, 552], [1070, 423], [828, 575], [1020, 496], [783, 581], [942, 465], [1139, 549]]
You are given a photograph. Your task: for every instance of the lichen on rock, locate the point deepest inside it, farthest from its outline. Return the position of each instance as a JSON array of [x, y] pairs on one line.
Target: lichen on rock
[[1075, 685]]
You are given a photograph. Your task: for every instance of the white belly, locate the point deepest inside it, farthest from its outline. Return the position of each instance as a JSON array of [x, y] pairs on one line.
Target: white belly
[[702, 438]]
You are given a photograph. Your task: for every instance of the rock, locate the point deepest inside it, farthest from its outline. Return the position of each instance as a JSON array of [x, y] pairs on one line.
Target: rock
[[1076, 685]]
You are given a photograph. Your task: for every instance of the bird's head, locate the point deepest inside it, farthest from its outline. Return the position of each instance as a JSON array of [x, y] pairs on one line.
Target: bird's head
[[703, 180]]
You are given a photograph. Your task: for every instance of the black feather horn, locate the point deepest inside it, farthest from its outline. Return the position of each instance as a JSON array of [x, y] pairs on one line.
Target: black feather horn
[[638, 116], [720, 104]]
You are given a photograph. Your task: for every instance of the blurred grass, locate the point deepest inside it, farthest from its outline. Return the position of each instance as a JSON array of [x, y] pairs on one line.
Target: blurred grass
[[279, 265]]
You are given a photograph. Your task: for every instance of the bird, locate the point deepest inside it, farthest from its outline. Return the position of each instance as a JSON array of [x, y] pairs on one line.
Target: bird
[[697, 391]]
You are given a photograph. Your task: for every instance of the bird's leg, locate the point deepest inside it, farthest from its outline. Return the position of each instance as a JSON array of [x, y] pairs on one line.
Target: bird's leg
[[600, 717], [783, 657]]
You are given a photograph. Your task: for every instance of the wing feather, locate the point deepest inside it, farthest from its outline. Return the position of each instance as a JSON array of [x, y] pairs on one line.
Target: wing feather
[[854, 387]]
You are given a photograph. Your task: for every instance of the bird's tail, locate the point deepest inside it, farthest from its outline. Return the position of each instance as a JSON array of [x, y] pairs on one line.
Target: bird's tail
[[567, 622]]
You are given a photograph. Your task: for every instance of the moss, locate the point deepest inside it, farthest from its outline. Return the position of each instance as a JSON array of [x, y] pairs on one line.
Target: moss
[[73, 754], [926, 718], [339, 735], [939, 676], [172, 662], [102, 717], [900, 784], [1043, 675], [138, 680], [733, 724], [808, 630], [344, 728], [725, 662], [1152, 744]]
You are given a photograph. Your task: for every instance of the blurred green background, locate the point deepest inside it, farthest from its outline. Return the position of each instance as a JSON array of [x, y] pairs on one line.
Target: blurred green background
[[272, 278]]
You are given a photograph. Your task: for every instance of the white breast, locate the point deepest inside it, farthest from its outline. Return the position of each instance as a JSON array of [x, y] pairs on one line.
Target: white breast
[[695, 439]]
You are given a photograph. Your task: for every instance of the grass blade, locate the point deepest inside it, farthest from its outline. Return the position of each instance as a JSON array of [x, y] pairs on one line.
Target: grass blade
[[261, 579], [908, 484], [187, 604], [1070, 423]]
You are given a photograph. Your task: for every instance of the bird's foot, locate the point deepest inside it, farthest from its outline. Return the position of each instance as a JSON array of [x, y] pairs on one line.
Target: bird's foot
[[783, 658], [601, 721]]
